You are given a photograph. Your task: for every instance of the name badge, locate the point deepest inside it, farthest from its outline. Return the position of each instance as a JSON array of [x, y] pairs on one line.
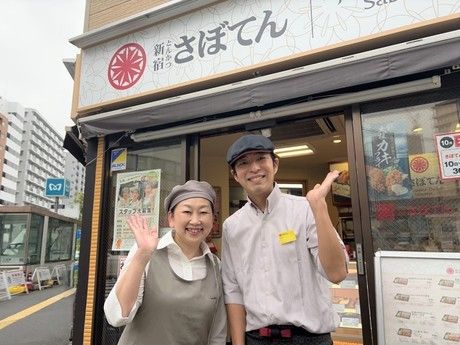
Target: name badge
[[287, 237]]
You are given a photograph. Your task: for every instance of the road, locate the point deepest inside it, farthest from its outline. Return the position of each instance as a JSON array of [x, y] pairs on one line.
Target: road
[[39, 318]]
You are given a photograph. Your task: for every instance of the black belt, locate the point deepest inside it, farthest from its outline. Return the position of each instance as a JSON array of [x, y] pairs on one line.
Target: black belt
[[283, 331]]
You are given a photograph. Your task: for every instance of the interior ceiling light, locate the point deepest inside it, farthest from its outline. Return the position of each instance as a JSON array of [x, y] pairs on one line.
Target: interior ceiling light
[[336, 140], [457, 127], [417, 129], [294, 151]]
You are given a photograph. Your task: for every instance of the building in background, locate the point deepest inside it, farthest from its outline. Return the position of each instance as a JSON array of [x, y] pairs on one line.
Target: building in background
[[42, 156], [11, 132], [30, 152], [74, 172]]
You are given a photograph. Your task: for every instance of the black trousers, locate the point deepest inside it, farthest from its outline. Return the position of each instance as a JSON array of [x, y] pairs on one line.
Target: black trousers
[[296, 339]]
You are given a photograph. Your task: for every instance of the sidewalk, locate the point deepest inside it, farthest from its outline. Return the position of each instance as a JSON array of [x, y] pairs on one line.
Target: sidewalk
[[22, 301]]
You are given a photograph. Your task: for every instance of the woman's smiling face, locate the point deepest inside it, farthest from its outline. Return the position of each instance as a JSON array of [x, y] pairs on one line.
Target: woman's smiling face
[[192, 220]]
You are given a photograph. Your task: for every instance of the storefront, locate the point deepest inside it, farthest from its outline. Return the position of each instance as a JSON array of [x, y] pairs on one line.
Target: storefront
[[159, 102]]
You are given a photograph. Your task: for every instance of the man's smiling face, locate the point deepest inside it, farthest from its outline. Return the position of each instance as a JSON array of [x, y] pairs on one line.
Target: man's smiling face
[[255, 172]]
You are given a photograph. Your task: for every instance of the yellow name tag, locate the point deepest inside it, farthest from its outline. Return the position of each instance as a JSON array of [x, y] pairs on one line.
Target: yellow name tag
[[287, 237]]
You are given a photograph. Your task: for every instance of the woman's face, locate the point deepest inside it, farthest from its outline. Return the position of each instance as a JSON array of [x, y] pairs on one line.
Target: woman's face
[[149, 190], [125, 193], [135, 195], [192, 221]]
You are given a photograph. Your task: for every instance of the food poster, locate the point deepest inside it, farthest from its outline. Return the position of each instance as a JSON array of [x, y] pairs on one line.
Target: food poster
[[422, 306], [425, 179], [387, 162], [136, 192], [341, 191]]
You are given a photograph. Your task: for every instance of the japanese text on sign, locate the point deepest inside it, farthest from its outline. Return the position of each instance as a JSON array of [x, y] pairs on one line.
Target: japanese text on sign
[[448, 146]]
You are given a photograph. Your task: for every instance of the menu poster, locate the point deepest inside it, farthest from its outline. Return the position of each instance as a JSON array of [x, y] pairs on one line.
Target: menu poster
[[387, 165], [137, 192], [418, 306]]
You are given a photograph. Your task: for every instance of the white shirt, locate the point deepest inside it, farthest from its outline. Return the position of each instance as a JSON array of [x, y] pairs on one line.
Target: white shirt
[[278, 282], [193, 269]]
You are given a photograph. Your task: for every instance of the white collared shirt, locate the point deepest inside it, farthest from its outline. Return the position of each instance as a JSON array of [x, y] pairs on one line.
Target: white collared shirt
[[278, 283], [193, 269]]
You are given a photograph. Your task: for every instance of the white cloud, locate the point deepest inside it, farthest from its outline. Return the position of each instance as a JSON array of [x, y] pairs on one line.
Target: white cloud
[[34, 38]]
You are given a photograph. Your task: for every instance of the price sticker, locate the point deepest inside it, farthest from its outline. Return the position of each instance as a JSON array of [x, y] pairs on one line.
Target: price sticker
[[448, 146]]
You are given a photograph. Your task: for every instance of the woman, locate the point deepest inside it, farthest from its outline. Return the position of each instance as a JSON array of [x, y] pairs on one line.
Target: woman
[[170, 291]]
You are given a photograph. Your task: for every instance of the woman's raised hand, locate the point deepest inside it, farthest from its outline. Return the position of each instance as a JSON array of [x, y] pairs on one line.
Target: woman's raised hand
[[146, 239]]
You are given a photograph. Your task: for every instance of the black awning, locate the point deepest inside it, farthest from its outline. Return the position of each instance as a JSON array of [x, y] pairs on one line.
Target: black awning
[[74, 145]]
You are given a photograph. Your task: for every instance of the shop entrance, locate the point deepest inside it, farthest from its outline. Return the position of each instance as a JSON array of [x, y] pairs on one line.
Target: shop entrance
[[308, 149]]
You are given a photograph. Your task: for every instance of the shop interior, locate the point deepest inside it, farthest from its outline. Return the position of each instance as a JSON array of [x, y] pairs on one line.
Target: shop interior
[[308, 149]]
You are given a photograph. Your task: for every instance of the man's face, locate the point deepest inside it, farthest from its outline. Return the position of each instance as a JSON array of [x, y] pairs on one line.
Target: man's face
[[255, 172]]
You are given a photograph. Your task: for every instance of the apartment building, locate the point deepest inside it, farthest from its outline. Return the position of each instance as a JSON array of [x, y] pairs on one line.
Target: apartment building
[[74, 172], [42, 156], [11, 131]]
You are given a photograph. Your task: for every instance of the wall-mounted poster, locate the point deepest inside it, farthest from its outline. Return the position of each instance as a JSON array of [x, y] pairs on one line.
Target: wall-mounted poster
[[341, 193], [387, 162], [136, 192]]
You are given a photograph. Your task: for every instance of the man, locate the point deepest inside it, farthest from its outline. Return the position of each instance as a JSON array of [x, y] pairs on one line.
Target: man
[[279, 252]]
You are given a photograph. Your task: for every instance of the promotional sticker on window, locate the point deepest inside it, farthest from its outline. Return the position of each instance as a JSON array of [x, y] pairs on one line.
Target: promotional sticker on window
[[448, 146]]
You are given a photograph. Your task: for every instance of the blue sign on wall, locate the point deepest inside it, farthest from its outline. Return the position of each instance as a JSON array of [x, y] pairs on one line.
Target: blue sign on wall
[[56, 187]]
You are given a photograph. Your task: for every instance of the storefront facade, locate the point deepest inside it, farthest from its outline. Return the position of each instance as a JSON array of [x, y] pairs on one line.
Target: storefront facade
[[160, 95]]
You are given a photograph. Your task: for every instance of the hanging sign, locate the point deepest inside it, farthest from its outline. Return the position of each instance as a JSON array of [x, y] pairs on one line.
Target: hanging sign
[[448, 146], [118, 159]]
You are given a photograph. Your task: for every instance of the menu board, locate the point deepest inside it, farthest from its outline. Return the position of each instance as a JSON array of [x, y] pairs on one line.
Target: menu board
[[418, 297]]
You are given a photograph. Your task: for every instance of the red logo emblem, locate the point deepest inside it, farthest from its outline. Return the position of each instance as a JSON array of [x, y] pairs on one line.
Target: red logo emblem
[[419, 164], [127, 66], [450, 270]]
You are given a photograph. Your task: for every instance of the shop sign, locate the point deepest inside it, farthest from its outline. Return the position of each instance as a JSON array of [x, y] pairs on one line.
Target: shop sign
[[448, 146], [233, 36], [425, 178], [136, 192], [118, 159]]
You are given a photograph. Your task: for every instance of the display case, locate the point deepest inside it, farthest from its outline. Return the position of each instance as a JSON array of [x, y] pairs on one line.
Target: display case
[[345, 300]]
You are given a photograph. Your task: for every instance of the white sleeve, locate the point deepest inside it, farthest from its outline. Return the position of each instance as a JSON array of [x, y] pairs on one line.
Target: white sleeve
[[112, 308]]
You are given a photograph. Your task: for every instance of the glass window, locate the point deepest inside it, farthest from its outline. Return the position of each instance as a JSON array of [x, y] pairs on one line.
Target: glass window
[[35, 238], [168, 159], [411, 207], [13, 229], [60, 236]]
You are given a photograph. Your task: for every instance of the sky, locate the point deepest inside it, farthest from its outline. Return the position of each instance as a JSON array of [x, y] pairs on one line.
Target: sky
[[34, 39]]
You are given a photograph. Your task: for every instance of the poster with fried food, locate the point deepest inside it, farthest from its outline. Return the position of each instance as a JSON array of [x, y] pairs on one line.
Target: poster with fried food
[[136, 192], [387, 163]]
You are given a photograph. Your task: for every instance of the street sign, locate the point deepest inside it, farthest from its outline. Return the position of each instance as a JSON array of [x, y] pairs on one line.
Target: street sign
[[57, 187]]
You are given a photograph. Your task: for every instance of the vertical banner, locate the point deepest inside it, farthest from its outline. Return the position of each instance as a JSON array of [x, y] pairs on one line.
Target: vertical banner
[[388, 167], [136, 192]]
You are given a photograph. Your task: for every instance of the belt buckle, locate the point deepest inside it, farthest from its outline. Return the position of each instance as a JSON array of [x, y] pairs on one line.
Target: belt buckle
[[286, 333], [265, 332], [278, 332]]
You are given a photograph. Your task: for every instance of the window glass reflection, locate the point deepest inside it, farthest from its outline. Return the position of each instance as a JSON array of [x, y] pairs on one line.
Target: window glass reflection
[[12, 235], [59, 246], [411, 207]]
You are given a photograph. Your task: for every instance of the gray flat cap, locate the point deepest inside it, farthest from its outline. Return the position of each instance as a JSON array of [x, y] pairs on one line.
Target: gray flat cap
[[190, 189], [250, 142]]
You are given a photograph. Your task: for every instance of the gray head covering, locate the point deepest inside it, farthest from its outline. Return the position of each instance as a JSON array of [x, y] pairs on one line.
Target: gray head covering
[[190, 189], [250, 142]]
